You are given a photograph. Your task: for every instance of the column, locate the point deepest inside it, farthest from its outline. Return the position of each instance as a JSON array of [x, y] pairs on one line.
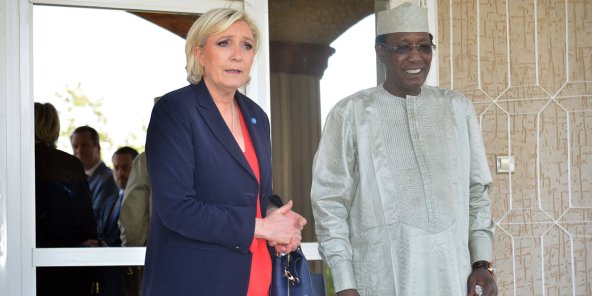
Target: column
[[296, 70]]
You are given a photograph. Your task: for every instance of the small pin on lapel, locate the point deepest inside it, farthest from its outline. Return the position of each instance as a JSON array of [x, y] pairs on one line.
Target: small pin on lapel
[[253, 120]]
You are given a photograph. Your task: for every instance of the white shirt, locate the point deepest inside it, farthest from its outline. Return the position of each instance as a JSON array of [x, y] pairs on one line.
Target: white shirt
[[91, 171]]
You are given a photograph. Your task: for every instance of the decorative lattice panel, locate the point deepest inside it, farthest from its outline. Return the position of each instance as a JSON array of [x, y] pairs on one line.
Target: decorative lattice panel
[[527, 66]]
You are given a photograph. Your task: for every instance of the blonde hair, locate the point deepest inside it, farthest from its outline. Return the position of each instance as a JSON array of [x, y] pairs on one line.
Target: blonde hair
[[47, 124], [210, 23]]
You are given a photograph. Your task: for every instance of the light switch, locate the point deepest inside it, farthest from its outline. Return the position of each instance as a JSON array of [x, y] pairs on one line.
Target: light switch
[[504, 164]]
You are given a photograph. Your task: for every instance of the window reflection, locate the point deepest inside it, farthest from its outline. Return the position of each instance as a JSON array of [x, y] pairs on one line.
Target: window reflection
[[101, 69]]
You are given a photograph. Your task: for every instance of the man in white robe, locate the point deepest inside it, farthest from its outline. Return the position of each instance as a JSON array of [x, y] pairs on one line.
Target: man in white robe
[[400, 179]]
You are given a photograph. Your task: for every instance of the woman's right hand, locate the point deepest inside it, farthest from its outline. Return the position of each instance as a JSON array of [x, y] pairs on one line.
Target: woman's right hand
[[279, 227]]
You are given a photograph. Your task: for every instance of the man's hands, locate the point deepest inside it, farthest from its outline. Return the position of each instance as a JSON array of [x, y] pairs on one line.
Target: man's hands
[[483, 278], [282, 228]]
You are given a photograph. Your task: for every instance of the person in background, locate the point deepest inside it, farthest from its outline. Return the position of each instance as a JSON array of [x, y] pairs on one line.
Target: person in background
[[86, 147], [400, 179], [108, 228], [136, 206], [63, 210], [111, 278], [208, 151], [134, 219]]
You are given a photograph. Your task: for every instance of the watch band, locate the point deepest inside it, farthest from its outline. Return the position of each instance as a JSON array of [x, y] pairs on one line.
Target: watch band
[[485, 265]]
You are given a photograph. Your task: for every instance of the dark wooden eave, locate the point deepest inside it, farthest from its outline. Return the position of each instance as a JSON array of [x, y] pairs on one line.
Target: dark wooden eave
[[175, 23]]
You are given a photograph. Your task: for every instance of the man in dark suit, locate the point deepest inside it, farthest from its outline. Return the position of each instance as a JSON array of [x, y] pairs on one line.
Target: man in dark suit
[[107, 222], [111, 278], [104, 192], [86, 147]]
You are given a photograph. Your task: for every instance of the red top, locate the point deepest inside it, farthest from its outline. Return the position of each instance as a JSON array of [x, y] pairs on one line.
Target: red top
[[261, 263]]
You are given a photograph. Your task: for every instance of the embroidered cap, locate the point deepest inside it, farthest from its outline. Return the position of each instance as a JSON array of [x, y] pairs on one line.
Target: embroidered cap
[[406, 17]]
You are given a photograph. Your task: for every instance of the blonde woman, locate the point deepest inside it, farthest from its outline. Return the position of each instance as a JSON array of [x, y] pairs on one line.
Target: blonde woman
[[209, 161], [64, 216]]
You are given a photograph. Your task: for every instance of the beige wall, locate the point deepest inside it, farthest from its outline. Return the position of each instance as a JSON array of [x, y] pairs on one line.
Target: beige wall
[[527, 66]]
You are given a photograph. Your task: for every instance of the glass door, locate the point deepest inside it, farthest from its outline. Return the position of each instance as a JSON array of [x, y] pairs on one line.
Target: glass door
[[24, 82]]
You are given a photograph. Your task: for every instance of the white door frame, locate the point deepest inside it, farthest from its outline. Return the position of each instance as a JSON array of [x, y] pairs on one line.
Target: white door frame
[[18, 255]]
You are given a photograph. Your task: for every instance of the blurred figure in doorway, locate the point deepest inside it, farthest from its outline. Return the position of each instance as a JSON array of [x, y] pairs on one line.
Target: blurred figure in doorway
[[63, 210], [111, 278], [86, 147], [107, 226], [134, 219]]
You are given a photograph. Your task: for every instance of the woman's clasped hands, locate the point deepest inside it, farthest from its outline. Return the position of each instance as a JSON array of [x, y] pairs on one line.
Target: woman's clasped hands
[[282, 228]]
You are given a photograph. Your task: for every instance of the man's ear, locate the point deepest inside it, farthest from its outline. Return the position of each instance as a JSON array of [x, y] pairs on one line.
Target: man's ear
[[379, 52]]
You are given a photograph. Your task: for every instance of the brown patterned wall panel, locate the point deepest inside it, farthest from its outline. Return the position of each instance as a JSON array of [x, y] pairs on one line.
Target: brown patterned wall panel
[[578, 215], [523, 145], [557, 262], [482, 107], [494, 126], [522, 49], [525, 222], [583, 265], [493, 55], [503, 251], [519, 216], [528, 271], [524, 92], [577, 222], [527, 228], [576, 97], [543, 241], [579, 34], [481, 101], [444, 39], [522, 106], [581, 147], [551, 44], [577, 104], [553, 160], [464, 44], [581, 158], [578, 228]]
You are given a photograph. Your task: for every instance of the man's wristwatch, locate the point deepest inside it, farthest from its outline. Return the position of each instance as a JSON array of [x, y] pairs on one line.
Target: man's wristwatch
[[485, 265]]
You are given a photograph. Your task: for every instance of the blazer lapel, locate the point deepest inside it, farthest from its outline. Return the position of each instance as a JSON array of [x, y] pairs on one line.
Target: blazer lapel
[[213, 119], [253, 123]]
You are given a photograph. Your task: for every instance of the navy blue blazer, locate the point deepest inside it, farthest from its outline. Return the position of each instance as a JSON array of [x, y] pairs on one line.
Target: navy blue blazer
[[103, 189], [107, 228], [204, 195]]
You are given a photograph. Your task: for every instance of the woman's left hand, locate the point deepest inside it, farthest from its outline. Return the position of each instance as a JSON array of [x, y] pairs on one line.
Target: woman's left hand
[[286, 248], [295, 241], [279, 226]]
